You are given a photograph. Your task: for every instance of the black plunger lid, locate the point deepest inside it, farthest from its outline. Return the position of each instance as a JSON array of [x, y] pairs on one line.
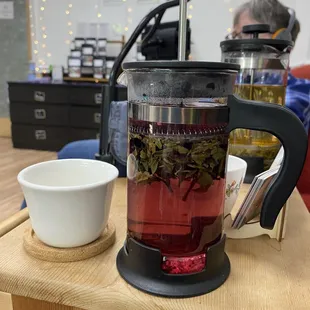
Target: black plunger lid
[[198, 65], [255, 44], [208, 79]]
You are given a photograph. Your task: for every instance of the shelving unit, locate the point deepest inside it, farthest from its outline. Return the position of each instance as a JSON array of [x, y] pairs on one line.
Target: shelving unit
[[85, 80], [87, 77], [122, 41]]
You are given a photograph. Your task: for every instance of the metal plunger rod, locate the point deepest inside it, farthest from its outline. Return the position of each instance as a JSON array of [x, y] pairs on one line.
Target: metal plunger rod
[[182, 30], [110, 90]]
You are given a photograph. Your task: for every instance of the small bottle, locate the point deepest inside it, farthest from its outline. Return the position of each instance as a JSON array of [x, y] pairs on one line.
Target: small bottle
[[99, 66], [78, 42], [74, 67], [91, 41], [75, 53], [57, 74], [102, 47]]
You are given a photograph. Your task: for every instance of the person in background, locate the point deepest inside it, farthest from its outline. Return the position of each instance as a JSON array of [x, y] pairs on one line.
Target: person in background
[[275, 14]]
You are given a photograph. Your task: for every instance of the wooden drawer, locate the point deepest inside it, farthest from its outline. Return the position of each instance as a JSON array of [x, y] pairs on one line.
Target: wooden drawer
[[39, 137], [38, 92], [93, 95], [85, 117], [39, 114], [80, 94], [86, 95]]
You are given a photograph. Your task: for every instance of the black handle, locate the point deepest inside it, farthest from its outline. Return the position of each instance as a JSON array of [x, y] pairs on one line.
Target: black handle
[[256, 29], [285, 125]]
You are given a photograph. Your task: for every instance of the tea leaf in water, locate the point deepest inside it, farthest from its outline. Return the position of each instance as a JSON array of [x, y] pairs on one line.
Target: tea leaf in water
[[205, 180], [145, 165], [161, 159], [154, 165], [218, 154], [142, 176], [199, 159], [182, 150], [158, 144], [143, 155]]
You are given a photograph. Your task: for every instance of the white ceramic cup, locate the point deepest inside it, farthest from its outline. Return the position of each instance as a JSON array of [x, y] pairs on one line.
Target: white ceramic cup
[[235, 174], [68, 200]]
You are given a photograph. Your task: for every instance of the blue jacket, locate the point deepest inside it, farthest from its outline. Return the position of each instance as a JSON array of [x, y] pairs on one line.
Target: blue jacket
[[298, 99]]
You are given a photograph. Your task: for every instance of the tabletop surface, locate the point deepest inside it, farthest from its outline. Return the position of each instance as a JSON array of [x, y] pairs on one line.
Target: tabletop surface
[[264, 275]]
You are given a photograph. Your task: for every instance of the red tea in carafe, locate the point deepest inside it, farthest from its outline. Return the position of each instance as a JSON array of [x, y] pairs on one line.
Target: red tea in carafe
[[179, 116], [176, 183]]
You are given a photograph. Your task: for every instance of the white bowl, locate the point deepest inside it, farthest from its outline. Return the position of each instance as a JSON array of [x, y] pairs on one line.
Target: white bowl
[[69, 200], [235, 174]]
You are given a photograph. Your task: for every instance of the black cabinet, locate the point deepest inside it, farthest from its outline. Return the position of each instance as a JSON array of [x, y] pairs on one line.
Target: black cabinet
[[48, 116]]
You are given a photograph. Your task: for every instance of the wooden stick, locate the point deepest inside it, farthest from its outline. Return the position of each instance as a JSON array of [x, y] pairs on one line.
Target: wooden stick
[[29, 39], [13, 221], [5, 127]]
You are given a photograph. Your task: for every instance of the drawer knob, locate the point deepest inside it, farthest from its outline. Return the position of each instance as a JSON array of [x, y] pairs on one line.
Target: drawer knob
[[39, 114], [40, 135], [97, 118], [39, 96], [98, 98]]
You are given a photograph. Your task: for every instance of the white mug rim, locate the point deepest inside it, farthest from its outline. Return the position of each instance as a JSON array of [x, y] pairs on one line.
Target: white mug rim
[[241, 161], [21, 176]]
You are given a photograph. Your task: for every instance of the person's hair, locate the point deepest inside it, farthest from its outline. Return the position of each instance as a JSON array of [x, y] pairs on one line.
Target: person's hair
[[270, 12]]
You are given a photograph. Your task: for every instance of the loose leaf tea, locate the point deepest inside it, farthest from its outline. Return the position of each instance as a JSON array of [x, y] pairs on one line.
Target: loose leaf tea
[[268, 153], [253, 143], [176, 189], [197, 160]]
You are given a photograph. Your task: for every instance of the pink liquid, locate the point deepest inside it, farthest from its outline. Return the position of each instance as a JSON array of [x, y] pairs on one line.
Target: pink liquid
[[179, 222], [161, 219]]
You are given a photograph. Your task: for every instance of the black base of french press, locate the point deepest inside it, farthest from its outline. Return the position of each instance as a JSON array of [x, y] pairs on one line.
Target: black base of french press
[[140, 266]]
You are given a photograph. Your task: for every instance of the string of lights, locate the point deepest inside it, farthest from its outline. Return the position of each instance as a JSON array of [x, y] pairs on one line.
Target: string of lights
[[38, 28], [42, 60], [190, 11], [69, 22], [34, 37], [129, 18], [98, 11], [231, 11]]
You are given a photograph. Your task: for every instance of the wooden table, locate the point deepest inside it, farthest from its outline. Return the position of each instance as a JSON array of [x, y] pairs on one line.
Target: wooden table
[[265, 274]]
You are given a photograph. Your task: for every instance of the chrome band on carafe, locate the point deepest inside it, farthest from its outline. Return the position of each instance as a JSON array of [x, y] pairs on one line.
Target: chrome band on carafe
[[257, 63], [179, 115]]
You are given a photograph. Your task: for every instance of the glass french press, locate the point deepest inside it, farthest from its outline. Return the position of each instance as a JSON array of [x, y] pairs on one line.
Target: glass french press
[[179, 119], [263, 77], [180, 115]]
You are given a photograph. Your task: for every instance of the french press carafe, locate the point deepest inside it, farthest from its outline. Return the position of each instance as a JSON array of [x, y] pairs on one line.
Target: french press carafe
[[263, 77], [180, 116]]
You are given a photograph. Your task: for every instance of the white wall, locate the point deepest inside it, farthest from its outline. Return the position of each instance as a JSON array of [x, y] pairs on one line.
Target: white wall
[[209, 23]]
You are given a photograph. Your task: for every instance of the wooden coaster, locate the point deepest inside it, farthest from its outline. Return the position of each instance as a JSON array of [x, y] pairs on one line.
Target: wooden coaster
[[38, 249]]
